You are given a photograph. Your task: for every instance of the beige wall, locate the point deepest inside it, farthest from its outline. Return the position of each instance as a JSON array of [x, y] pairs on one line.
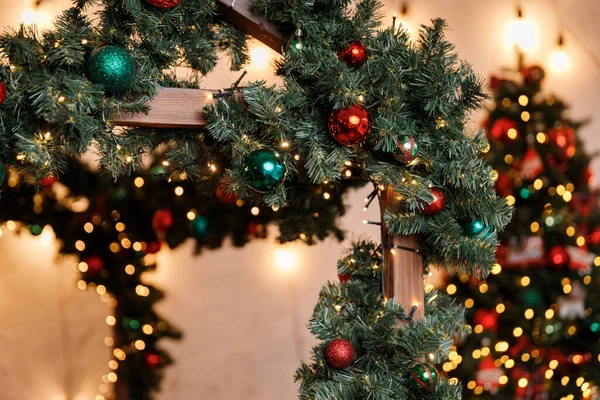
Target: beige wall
[[243, 319]]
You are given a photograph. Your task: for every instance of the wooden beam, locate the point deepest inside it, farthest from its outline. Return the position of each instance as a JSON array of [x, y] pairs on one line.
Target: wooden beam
[[239, 14], [172, 108], [402, 269]]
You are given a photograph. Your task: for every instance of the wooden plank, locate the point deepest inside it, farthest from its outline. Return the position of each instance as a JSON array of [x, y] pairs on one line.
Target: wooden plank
[[239, 14], [402, 269], [172, 108]]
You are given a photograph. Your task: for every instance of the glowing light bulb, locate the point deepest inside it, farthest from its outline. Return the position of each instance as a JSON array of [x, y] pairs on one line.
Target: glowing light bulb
[[260, 57], [28, 16], [285, 260], [559, 61], [522, 33]]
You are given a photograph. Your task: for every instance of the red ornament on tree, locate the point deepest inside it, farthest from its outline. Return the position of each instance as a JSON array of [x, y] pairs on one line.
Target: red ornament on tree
[[153, 360], [2, 92], [564, 138], [558, 256], [532, 165], [504, 129], [350, 126], [162, 220], [95, 265], [354, 54], [153, 247], [49, 181], [496, 83], [488, 319], [344, 277], [339, 353], [224, 196], [533, 75], [163, 4], [438, 203]]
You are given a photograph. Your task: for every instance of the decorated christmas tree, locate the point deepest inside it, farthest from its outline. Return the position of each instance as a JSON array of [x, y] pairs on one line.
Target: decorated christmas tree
[[360, 104], [536, 320]]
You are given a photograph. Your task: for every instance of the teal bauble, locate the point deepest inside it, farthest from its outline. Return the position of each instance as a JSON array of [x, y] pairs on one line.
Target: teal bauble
[[35, 229], [532, 298], [473, 228], [199, 227], [264, 170], [112, 67], [423, 376]]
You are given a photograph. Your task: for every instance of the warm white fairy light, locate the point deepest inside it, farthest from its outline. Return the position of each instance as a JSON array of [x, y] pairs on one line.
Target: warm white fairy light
[[521, 33], [285, 259]]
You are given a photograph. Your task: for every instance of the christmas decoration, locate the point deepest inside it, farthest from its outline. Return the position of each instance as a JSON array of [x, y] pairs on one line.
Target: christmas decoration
[[406, 148], [533, 75], [48, 181], [580, 259], [558, 256], [531, 298], [296, 43], [112, 67], [532, 165], [264, 170], [354, 54], [163, 4], [224, 196], [344, 277], [153, 247], [153, 360], [162, 220], [530, 253], [572, 306], [35, 229], [563, 138], [199, 227], [350, 126], [95, 265], [488, 374], [423, 376], [437, 204], [474, 228], [504, 129], [504, 184], [2, 92], [488, 319], [339, 353]]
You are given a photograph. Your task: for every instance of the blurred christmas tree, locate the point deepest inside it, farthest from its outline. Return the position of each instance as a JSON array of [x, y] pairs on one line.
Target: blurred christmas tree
[[536, 320]]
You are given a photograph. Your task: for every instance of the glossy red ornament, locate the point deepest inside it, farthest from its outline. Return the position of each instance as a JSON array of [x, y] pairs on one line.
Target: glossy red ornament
[[558, 256], [48, 181], [224, 196], [163, 4], [350, 126], [344, 277], [563, 138], [162, 220], [354, 53], [339, 353], [488, 319], [533, 75], [95, 265], [532, 164], [153, 360], [153, 247], [2, 92], [501, 127], [438, 203]]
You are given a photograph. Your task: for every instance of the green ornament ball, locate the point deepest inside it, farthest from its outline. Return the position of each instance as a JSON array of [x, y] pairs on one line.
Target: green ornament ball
[[406, 149], [112, 67], [35, 229], [199, 227], [474, 228], [296, 43], [264, 170], [532, 298], [423, 376]]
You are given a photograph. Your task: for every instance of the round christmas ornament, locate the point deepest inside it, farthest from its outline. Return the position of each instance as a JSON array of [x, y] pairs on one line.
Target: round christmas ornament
[[423, 376], [488, 319], [2, 92], [533, 75], [48, 181], [163, 4], [162, 220], [437, 204], [264, 170], [256, 229], [153, 360], [339, 353], [406, 148], [296, 43], [473, 228], [199, 227], [558, 256], [564, 138], [350, 126], [532, 165], [504, 129], [354, 53], [35, 229], [344, 277], [95, 265], [532, 298], [153, 247], [224, 195], [112, 67]]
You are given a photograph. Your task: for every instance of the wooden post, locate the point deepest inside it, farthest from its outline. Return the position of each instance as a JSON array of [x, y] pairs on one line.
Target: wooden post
[[402, 269]]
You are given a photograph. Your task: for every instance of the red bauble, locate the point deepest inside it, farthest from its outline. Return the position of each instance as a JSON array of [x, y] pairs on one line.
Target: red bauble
[[256, 229], [162, 220], [153, 360], [163, 4], [350, 126], [488, 319], [496, 83], [354, 54], [339, 353], [153, 247], [532, 164], [594, 237], [2, 92], [49, 181], [533, 75], [224, 196], [438, 203], [558, 256], [563, 138], [501, 127], [95, 265], [344, 277]]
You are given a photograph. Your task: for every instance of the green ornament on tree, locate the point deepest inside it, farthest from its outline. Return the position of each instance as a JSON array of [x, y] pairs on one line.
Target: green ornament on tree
[[295, 43], [35, 229], [474, 228], [406, 148], [264, 170], [423, 376], [199, 227], [532, 298], [112, 67]]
